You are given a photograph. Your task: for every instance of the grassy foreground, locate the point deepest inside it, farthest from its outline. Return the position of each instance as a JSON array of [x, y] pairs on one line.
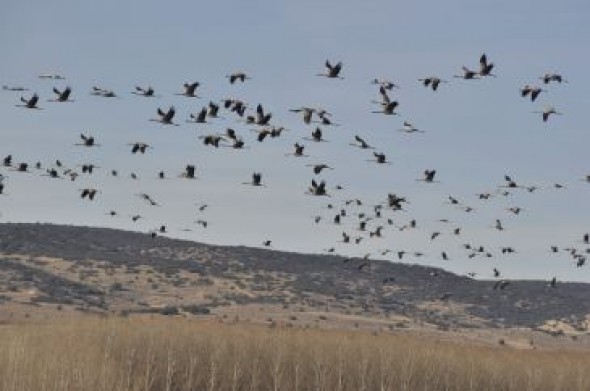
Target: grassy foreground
[[177, 354]]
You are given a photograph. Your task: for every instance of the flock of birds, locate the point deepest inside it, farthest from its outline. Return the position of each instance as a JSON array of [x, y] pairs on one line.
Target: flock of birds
[[368, 221]]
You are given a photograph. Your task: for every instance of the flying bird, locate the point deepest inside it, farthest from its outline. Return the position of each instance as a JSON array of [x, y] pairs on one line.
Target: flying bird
[[256, 180], [87, 141], [200, 118], [30, 103], [387, 105], [317, 168], [380, 158], [386, 84], [14, 88], [237, 76], [409, 128], [432, 82], [332, 71], [547, 111], [318, 189], [549, 77], [62, 96], [307, 113], [361, 143], [467, 74], [139, 147], [316, 136], [165, 118], [189, 172], [190, 89], [485, 67], [54, 76], [99, 91], [148, 199], [89, 193], [141, 91], [428, 176], [533, 91]]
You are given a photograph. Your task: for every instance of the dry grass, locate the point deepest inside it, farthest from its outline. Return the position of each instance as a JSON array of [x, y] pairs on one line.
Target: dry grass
[[177, 354]]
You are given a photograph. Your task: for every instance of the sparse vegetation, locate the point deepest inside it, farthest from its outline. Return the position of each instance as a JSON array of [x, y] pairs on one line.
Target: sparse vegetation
[[175, 354]]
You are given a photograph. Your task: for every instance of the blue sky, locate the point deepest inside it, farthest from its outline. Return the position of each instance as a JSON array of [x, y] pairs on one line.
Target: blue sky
[[475, 131]]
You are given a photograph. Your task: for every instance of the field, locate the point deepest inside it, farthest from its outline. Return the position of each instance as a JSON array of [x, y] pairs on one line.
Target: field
[[97, 309], [157, 353]]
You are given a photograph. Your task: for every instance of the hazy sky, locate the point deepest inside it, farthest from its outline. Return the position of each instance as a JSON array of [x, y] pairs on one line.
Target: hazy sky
[[476, 131]]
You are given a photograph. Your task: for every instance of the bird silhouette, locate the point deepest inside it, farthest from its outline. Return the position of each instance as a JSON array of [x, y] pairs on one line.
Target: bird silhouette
[[189, 172], [261, 118], [318, 189], [409, 128], [432, 82], [387, 105], [547, 111], [190, 89], [380, 158], [165, 118], [54, 76], [7, 161], [298, 152], [237, 76], [105, 93], [148, 199], [139, 147], [361, 143], [307, 113], [256, 180], [467, 74], [317, 168], [89, 193], [428, 176], [332, 71], [212, 139], [30, 103], [200, 118], [549, 77], [147, 92], [386, 84], [87, 141], [62, 96], [485, 67], [533, 91], [14, 88], [316, 136]]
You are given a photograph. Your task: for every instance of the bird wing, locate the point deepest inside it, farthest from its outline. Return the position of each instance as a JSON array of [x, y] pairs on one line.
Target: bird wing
[[483, 61], [170, 114], [384, 95]]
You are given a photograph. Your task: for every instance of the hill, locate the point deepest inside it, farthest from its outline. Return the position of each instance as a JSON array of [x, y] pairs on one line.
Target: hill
[[111, 271]]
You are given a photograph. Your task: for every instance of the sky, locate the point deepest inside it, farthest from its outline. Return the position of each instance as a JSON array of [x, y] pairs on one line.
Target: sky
[[475, 131]]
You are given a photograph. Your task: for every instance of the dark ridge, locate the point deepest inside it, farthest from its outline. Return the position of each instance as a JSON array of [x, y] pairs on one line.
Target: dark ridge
[[313, 279]]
